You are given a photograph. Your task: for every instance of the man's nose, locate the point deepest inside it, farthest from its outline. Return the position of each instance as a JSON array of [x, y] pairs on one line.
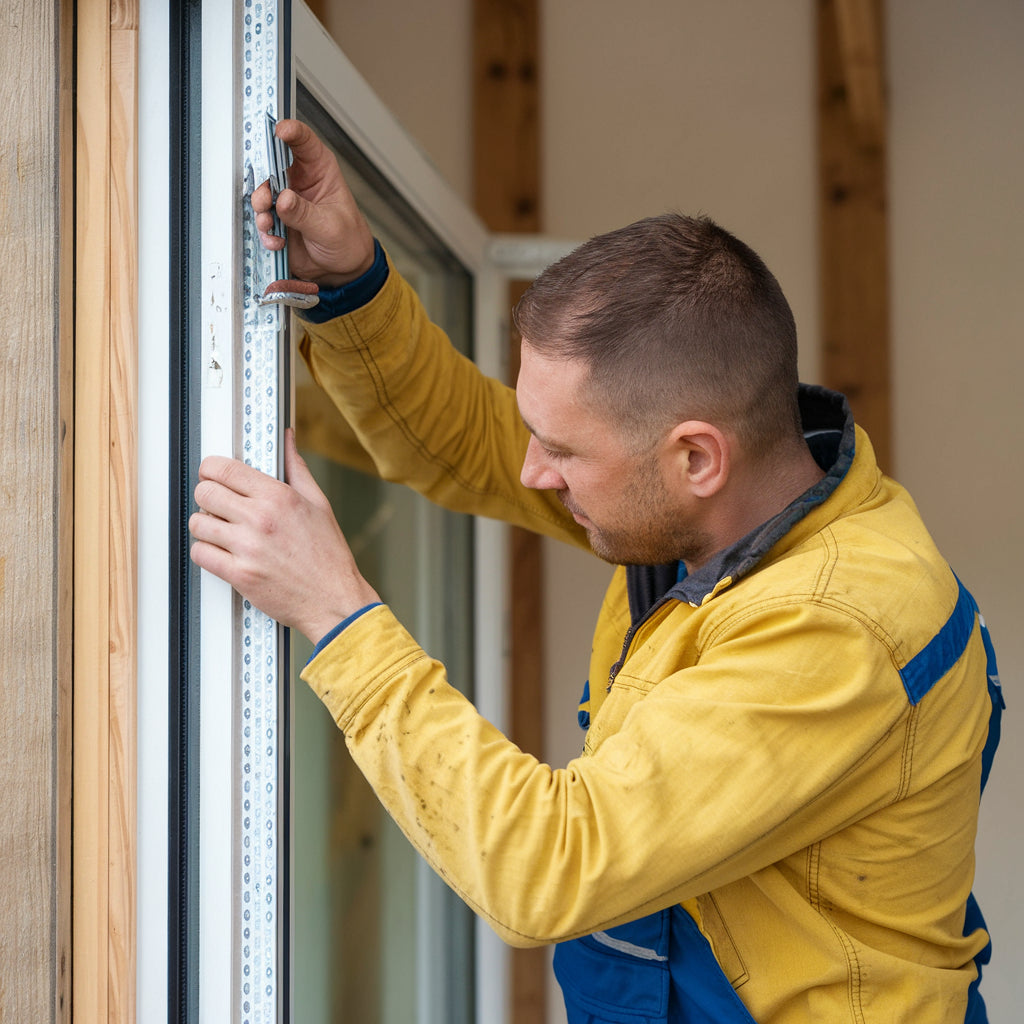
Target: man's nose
[[537, 472]]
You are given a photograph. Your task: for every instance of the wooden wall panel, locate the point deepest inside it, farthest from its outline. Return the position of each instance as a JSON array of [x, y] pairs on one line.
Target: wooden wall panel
[[35, 510], [104, 838]]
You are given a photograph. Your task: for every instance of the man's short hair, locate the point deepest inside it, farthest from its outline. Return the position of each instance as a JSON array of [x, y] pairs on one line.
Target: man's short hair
[[676, 319]]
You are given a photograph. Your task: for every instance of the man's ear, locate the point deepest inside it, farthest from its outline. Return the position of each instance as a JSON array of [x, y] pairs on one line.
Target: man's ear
[[702, 454]]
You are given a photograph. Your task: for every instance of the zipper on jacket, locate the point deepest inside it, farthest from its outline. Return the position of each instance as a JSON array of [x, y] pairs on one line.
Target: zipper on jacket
[[627, 642]]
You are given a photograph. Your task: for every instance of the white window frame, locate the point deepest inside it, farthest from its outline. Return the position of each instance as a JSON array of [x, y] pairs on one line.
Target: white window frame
[[335, 84]]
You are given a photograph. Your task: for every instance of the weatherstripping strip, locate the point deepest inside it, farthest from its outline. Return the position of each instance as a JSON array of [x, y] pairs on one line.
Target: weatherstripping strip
[[184, 38]]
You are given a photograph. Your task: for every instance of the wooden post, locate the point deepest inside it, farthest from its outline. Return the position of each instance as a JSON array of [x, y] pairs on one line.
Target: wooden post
[[506, 186], [506, 114], [36, 122], [853, 204], [104, 839]]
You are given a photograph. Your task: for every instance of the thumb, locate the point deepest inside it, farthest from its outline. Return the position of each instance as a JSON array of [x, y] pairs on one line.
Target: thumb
[[296, 472], [304, 143]]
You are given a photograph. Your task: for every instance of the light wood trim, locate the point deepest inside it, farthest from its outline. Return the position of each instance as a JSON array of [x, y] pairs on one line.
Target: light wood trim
[[854, 224], [123, 480], [105, 822], [92, 562]]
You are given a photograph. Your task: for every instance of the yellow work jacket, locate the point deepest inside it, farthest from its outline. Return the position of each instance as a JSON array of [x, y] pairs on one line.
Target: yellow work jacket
[[791, 753]]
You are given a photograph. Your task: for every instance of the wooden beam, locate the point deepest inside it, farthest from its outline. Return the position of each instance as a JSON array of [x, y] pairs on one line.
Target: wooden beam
[[105, 655], [36, 196], [507, 196], [526, 697], [506, 114], [853, 213], [861, 60]]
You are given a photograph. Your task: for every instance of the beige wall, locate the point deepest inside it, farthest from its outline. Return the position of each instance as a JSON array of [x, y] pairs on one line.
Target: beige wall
[[703, 107], [417, 57], [957, 76], [709, 106]]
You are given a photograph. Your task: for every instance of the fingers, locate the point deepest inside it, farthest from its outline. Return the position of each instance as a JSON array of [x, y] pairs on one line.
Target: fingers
[[240, 513], [229, 552], [209, 530], [213, 541], [297, 473], [233, 474], [262, 201], [270, 241], [329, 241], [227, 487], [211, 557]]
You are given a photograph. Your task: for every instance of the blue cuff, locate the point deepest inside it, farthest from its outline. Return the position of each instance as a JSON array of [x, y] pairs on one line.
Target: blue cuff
[[348, 297], [340, 628]]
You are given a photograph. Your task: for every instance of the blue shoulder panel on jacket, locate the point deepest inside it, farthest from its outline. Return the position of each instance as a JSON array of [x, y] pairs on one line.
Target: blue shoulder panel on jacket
[[924, 670]]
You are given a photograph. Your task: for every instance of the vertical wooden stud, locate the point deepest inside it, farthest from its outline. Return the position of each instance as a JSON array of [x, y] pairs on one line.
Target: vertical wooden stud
[[507, 196], [853, 217], [506, 114], [526, 699]]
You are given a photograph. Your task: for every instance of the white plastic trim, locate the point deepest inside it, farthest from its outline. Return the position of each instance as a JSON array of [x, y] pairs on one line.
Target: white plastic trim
[[523, 257], [219, 263]]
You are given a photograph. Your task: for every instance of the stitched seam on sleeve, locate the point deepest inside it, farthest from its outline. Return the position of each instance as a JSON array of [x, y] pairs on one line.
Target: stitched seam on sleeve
[[907, 760], [381, 680], [384, 400]]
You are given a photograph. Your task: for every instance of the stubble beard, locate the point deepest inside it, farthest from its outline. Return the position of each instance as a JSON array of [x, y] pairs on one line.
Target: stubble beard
[[650, 530]]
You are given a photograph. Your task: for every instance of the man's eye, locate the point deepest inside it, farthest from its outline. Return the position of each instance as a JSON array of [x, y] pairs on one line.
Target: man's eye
[[555, 455]]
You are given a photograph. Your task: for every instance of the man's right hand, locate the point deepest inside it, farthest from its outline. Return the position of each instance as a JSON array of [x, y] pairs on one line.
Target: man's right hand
[[329, 241]]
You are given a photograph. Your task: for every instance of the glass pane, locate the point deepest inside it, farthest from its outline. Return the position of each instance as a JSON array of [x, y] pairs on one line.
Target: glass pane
[[376, 936]]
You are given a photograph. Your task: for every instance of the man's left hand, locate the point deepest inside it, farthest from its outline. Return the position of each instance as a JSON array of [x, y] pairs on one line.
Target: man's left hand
[[278, 544]]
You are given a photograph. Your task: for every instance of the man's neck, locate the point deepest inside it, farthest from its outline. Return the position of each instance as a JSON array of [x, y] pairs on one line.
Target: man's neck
[[754, 495]]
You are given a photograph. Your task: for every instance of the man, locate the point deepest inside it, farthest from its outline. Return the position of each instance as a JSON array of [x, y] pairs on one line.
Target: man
[[790, 713]]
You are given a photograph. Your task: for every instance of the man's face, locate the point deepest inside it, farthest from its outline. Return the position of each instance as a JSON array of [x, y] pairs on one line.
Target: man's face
[[620, 497]]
